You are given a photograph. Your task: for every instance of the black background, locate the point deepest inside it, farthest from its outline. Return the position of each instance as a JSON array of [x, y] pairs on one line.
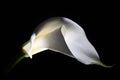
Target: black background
[[99, 20]]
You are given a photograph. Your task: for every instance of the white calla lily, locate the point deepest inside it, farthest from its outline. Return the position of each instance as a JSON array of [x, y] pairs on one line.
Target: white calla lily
[[62, 35]]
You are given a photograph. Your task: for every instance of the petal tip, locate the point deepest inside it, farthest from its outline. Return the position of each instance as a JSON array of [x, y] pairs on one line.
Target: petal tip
[[104, 65]]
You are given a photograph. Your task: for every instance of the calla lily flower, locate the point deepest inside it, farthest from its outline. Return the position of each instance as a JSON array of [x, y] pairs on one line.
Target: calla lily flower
[[65, 36]]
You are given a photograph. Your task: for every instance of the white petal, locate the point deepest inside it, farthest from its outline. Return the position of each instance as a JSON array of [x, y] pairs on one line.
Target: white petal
[[65, 36], [78, 44]]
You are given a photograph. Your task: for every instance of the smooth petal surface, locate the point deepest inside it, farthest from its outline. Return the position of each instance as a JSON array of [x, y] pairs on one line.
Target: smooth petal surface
[[65, 36]]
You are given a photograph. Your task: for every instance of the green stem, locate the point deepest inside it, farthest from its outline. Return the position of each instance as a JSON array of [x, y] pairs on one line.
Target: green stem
[[15, 60]]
